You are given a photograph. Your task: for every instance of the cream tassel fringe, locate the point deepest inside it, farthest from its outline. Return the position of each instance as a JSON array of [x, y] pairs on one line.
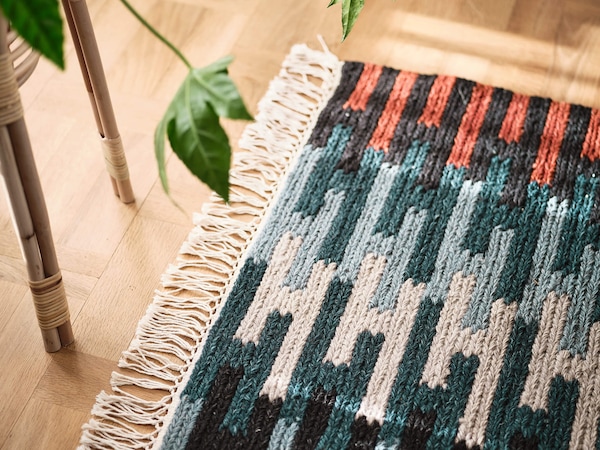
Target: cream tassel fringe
[[169, 338]]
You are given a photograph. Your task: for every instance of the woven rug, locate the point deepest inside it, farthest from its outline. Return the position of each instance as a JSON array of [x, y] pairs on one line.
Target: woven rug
[[409, 261]]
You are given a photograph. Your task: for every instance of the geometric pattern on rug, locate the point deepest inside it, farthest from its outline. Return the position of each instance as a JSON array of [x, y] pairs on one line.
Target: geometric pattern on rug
[[429, 277]]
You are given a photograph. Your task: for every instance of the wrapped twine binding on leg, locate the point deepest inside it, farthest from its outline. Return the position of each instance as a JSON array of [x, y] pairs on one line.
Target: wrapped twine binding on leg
[[11, 109], [50, 302], [114, 158]]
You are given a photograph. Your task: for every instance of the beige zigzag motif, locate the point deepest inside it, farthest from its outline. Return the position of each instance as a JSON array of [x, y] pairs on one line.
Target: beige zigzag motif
[[395, 325], [548, 362], [489, 345], [304, 303]]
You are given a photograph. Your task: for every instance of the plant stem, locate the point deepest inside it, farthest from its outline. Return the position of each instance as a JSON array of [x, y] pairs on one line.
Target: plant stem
[[153, 30]]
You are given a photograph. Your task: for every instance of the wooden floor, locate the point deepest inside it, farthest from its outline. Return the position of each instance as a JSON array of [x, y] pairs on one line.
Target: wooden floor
[[112, 255]]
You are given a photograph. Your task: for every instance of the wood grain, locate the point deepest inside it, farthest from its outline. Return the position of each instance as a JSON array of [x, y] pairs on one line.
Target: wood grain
[[112, 254]]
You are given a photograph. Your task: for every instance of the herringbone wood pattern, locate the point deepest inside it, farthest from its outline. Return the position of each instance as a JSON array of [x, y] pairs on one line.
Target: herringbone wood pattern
[[112, 255]]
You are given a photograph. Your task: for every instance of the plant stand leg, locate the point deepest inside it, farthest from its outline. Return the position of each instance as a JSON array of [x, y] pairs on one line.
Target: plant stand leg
[[29, 209], [82, 32], [48, 290]]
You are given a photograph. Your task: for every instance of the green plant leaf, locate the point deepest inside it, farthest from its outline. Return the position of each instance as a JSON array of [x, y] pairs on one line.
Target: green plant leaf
[[196, 136], [159, 151], [38, 22], [192, 125], [350, 11], [219, 91], [333, 2]]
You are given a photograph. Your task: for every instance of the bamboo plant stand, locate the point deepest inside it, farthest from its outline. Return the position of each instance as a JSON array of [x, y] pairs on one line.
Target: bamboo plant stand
[[20, 175], [80, 26]]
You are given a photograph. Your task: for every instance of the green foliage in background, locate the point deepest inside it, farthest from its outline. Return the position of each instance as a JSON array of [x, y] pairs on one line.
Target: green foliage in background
[[350, 11], [39, 23]]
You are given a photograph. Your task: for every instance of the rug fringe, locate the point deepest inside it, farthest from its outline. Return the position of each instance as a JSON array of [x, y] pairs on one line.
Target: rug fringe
[[170, 336]]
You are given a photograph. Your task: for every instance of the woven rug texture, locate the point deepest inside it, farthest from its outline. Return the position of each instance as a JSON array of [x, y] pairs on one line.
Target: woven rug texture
[[423, 271]]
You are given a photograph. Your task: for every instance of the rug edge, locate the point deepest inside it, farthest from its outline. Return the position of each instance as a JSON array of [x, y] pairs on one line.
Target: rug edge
[[217, 232]]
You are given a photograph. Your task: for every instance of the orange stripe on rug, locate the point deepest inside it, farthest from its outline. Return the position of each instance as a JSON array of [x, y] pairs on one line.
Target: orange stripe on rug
[[437, 100], [386, 126], [472, 121], [591, 145], [514, 121], [550, 142], [364, 88]]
